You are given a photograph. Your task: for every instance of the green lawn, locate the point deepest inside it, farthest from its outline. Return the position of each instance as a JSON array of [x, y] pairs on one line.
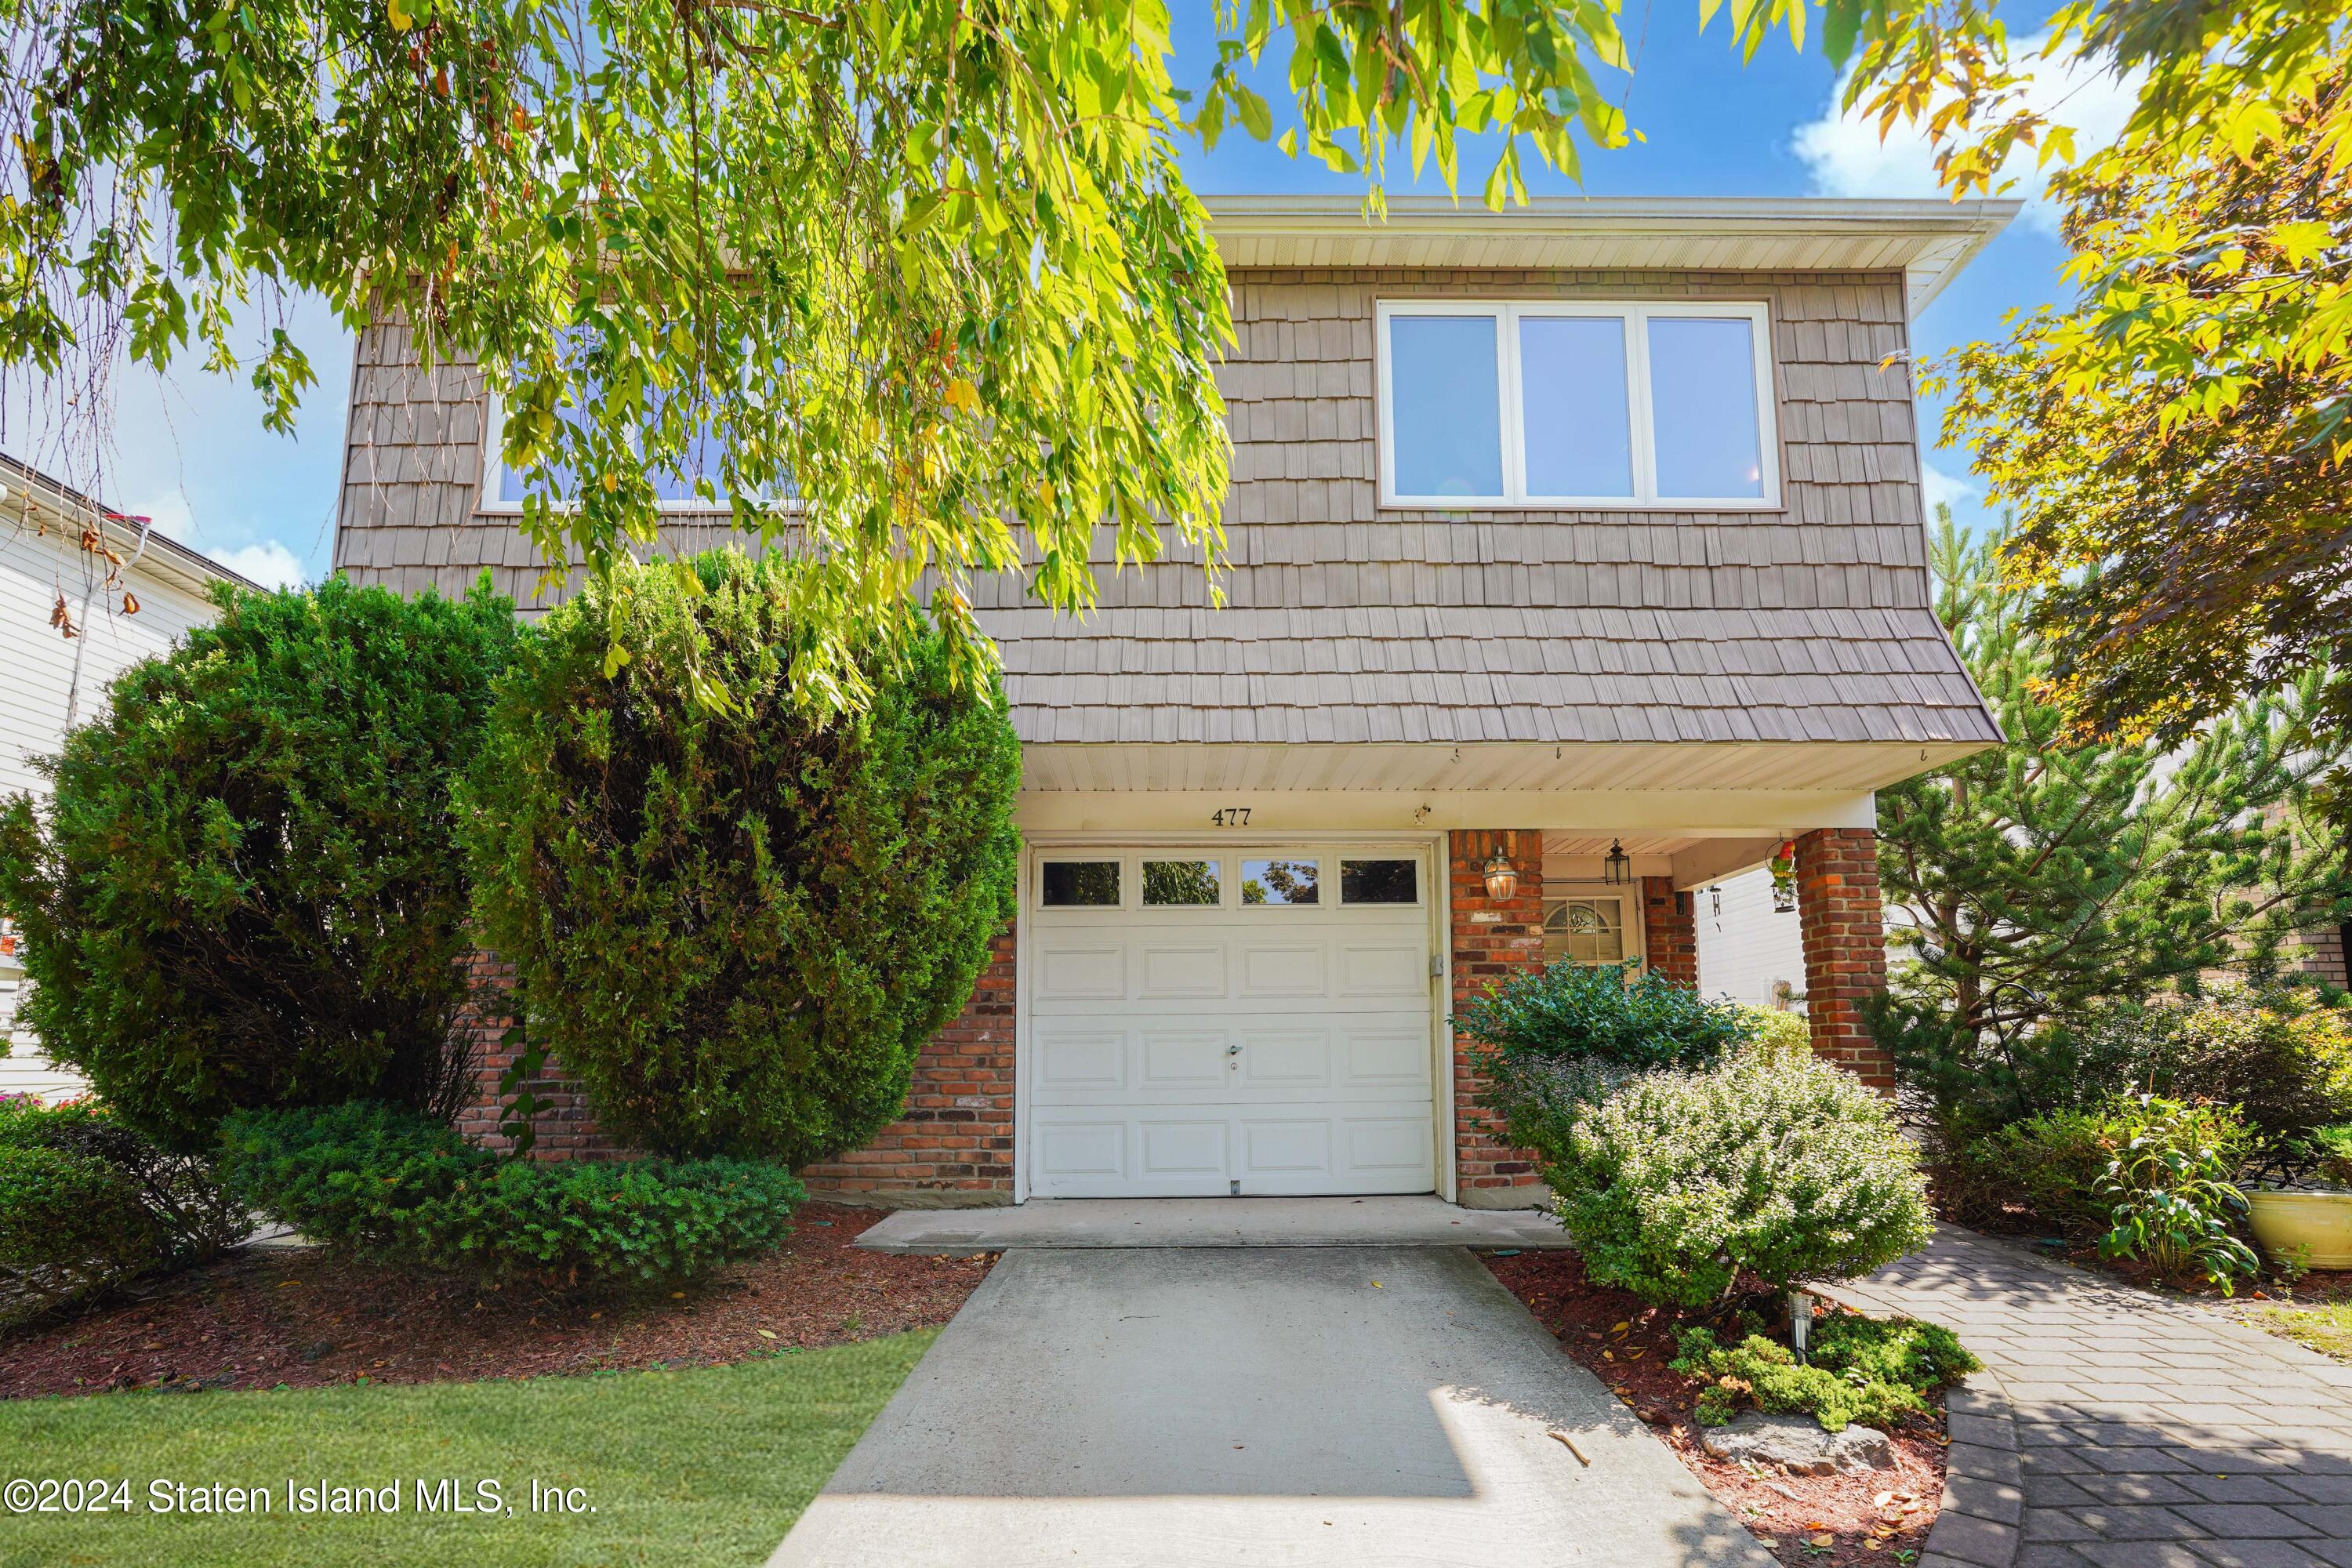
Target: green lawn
[[708, 1466]]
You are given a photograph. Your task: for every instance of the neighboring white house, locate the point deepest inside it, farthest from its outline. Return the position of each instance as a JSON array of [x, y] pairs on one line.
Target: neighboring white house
[[52, 680], [1747, 950]]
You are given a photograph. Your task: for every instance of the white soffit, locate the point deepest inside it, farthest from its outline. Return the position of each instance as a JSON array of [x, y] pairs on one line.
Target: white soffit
[[1927, 241], [1743, 767]]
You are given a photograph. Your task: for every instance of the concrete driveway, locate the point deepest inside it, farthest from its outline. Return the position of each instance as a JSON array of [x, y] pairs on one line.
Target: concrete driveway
[[1244, 1406]]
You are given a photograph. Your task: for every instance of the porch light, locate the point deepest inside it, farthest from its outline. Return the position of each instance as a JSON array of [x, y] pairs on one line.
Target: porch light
[[1618, 869], [1502, 877]]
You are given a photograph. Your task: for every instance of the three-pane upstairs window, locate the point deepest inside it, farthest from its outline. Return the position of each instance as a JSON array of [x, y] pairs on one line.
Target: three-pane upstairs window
[[1576, 404]]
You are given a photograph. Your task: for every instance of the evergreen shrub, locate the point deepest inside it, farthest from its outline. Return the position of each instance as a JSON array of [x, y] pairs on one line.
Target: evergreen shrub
[[391, 1187], [245, 888], [738, 922], [1550, 1041], [87, 1203]]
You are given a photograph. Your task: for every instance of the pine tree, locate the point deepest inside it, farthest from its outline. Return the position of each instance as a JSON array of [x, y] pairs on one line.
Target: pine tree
[[2035, 883]]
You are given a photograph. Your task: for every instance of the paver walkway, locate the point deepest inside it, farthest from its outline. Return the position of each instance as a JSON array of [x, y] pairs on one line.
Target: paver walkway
[[2151, 1433]]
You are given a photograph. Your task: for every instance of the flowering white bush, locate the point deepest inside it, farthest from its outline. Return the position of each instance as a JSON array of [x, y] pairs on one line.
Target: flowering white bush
[[1784, 1168]]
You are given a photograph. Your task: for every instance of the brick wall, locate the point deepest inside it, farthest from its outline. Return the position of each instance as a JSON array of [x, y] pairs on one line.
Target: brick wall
[[566, 1129], [1492, 939], [1669, 930], [2324, 953], [1846, 946], [954, 1146]]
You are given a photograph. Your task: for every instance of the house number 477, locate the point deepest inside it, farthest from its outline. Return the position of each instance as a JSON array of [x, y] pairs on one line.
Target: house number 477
[[1231, 816]]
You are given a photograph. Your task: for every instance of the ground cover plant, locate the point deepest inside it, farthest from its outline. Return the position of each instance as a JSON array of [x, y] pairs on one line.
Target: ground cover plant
[[1856, 1369], [701, 1466], [245, 889], [266, 1317], [1837, 1521], [391, 1187], [737, 927]]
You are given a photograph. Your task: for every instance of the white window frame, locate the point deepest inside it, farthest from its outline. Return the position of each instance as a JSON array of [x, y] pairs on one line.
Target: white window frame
[[1636, 316], [1629, 917], [488, 503]]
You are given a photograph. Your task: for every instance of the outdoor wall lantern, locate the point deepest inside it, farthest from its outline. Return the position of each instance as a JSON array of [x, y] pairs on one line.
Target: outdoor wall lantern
[[1502, 877], [1618, 869]]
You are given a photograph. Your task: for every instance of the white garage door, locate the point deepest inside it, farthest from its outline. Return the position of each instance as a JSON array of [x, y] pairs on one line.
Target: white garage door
[[1216, 1020]]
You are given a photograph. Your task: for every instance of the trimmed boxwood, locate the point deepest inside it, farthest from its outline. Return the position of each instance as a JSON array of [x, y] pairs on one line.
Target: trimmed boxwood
[[737, 922], [391, 1187], [245, 890]]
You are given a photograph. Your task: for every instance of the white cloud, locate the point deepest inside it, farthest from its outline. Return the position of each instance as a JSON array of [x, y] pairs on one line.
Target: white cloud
[[1943, 488], [189, 451], [1846, 157], [269, 564], [170, 513]]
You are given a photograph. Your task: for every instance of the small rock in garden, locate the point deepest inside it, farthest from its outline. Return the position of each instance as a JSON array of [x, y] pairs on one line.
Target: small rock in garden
[[1799, 1443]]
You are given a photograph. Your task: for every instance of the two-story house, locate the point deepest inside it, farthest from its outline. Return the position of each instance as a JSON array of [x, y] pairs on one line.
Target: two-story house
[[1578, 561]]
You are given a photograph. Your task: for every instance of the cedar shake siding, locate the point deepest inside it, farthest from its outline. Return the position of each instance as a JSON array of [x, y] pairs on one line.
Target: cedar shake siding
[[1349, 622]]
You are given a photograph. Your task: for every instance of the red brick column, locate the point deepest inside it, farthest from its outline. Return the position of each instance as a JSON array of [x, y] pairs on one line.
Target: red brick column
[[1492, 939], [954, 1146], [1846, 946], [1669, 930], [565, 1127]]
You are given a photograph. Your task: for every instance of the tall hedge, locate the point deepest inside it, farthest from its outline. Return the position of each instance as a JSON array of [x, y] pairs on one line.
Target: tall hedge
[[244, 889], [737, 923]]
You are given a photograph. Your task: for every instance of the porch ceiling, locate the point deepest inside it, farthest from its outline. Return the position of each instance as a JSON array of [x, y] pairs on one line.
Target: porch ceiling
[[1132, 768]]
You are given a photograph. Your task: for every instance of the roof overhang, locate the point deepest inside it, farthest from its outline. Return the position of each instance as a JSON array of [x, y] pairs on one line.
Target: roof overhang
[[32, 496], [1652, 785], [1927, 241]]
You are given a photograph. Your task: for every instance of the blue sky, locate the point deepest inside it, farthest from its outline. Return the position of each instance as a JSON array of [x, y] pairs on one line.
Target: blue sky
[[192, 452]]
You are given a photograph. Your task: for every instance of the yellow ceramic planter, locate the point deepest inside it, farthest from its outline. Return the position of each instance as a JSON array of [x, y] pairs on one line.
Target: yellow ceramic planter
[[2321, 1222]]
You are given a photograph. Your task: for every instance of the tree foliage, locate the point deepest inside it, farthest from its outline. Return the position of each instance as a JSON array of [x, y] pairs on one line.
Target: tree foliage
[[2174, 438], [245, 888], [930, 268], [737, 927], [2031, 884]]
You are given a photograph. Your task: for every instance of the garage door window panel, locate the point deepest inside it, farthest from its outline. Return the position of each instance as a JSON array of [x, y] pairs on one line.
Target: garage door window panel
[[1182, 884], [1079, 884], [1380, 882], [1282, 882]]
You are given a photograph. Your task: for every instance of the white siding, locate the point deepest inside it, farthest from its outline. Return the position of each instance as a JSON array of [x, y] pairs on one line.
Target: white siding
[[1747, 946], [23, 1071], [34, 568]]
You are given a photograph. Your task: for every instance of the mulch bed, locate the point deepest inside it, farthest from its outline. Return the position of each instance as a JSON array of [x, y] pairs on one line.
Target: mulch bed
[[1807, 1521], [267, 1316]]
